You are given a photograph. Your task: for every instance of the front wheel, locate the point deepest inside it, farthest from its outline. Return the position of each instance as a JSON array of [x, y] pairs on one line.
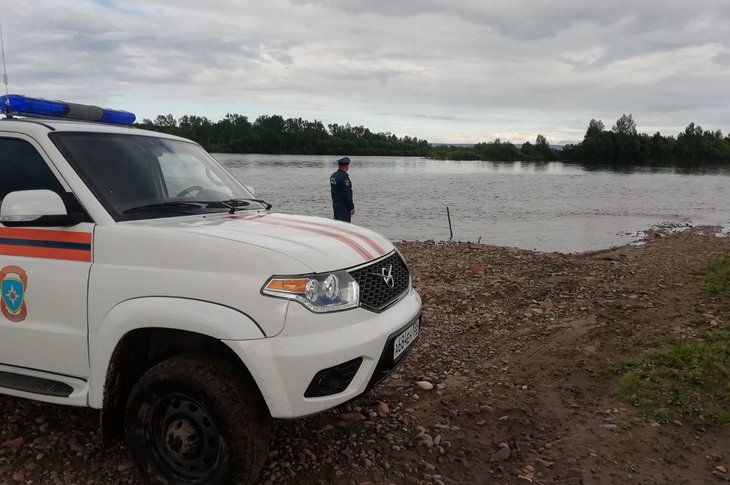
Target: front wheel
[[193, 420]]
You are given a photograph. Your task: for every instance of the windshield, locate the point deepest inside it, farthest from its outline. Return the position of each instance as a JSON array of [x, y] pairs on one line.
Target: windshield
[[141, 177]]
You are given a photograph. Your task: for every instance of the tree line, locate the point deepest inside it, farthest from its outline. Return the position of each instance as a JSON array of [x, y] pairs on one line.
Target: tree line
[[621, 145], [498, 150], [274, 134]]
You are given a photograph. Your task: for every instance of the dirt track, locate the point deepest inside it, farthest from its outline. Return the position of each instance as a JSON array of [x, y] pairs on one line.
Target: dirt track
[[510, 382]]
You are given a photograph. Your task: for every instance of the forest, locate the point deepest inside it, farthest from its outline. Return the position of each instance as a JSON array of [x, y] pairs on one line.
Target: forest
[[276, 135], [619, 145], [623, 145]]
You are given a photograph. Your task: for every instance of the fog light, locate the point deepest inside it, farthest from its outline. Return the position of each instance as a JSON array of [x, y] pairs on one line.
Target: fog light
[[327, 381], [333, 380]]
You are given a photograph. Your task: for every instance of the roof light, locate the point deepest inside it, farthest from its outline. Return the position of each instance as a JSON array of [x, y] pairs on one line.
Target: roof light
[[23, 105]]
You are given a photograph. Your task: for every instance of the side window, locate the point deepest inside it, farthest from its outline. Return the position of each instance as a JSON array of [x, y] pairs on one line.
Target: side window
[[23, 168]]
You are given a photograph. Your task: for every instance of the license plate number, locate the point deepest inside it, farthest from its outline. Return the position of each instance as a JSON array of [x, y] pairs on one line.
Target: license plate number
[[404, 340]]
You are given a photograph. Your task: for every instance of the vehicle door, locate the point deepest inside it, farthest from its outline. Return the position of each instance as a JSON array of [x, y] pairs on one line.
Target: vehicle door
[[44, 273]]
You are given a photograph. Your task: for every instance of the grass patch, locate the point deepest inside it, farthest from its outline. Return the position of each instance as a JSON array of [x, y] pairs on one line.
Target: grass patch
[[685, 380], [717, 278]]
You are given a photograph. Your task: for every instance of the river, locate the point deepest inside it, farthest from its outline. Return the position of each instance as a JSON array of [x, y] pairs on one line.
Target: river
[[544, 206]]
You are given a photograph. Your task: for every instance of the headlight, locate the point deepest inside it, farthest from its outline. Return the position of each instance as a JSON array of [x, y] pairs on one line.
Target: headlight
[[319, 293]]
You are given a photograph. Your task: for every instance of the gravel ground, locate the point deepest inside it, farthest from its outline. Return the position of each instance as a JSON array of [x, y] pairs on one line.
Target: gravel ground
[[508, 383]]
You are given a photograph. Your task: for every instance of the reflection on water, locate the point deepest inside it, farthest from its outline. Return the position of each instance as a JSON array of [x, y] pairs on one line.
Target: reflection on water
[[546, 206]]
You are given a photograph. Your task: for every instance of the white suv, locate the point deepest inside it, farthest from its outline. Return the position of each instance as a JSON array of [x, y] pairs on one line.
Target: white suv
[[140, 278]]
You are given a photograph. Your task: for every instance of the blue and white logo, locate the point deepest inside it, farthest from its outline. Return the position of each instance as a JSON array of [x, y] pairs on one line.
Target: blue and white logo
[[12, 290], [13, 282]]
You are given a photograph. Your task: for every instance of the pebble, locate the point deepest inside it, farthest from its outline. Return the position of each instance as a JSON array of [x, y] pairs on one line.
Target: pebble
[[383, 409], [352, 417], [14, 443], [425, 385], [503, 454], [424, 439], [125, 466]]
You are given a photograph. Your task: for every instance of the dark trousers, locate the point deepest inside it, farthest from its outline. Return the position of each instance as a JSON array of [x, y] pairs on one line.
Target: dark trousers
[[342, 214]]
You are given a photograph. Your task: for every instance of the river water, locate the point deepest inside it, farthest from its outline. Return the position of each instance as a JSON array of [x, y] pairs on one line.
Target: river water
[[543, 206]]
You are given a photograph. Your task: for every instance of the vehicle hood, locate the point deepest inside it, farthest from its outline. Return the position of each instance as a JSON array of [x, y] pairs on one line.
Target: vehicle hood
[[322, 244]]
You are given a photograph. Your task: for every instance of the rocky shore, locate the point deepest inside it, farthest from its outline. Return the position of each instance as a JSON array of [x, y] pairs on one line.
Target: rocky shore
[[510, 382]]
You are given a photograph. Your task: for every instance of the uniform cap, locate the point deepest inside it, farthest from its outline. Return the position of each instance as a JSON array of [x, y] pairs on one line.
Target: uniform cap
[[343, 161]]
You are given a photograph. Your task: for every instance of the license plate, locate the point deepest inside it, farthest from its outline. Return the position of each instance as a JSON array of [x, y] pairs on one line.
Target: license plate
[[404, 340]]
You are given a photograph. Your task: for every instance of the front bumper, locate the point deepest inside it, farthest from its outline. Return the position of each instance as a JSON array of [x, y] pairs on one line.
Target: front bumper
[[284, 366]]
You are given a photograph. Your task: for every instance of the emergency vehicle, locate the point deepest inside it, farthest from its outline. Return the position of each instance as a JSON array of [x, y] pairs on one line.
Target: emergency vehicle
[[142, 279]]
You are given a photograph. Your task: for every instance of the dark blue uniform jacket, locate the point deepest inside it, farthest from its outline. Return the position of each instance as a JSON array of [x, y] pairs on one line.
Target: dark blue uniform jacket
[[341, 188]]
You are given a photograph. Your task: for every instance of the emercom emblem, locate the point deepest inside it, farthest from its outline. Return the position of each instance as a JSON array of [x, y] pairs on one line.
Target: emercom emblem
[[13, 282]]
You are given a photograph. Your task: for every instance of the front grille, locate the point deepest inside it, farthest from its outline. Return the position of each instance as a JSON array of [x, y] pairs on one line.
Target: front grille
[[375, 293]]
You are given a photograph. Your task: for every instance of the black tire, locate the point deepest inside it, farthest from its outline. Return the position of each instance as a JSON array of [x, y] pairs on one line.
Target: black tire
[[195, 419]]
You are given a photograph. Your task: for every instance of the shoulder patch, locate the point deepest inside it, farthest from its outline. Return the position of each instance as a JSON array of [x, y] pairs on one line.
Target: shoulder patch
[[348, 183]]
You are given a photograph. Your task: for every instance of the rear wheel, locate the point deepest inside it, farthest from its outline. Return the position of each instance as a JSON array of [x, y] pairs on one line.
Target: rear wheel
[[194, 420]]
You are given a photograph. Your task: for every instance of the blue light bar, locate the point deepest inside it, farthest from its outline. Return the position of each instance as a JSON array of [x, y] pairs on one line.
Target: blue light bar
[[25, 106]]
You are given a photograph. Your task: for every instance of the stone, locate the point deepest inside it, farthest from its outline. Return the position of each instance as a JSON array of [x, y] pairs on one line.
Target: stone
[[382, 409], [424, 439], [14, 443], [352, 417], [425, 385], [475, 269], [125, 466], [502, 455]]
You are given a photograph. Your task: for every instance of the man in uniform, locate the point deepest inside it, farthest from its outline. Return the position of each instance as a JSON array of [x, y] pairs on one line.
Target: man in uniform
[[341, 188]]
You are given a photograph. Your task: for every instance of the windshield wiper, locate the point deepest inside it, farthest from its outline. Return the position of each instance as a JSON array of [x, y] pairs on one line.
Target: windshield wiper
[[165, 205], [236, 204], [232, 205], [246, 202]]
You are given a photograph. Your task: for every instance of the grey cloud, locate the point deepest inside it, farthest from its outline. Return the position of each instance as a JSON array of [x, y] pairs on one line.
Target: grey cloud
[[533, 20], [465, 66]]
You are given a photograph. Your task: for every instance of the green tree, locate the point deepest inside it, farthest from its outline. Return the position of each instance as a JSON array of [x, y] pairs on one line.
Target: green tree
[[625, 125], [542, 148], [595, 127], [270, 130], [165, 121]]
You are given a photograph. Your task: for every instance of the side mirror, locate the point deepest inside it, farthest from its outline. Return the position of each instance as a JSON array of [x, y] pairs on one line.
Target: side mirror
[[36, 208], [250, 189]]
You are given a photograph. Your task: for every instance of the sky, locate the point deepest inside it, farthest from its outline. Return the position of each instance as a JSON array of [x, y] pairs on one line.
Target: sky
[[448, 71]]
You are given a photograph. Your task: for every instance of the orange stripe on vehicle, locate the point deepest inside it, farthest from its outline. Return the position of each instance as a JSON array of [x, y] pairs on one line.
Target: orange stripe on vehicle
[[353, 244], [42, 235], [363, 237], [46, 253]]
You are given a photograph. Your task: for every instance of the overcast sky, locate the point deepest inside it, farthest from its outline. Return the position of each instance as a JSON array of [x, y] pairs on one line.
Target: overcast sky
[[455, 71]]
